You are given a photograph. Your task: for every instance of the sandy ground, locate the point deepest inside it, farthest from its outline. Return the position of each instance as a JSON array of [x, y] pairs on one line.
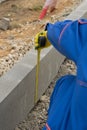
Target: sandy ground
[[23, 16], [24, 25]]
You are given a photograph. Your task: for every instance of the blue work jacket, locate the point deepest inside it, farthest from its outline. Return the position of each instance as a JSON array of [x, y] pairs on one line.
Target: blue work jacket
[[68, 102]]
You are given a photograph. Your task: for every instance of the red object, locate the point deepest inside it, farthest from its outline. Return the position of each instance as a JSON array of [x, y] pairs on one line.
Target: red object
[[43, 13]]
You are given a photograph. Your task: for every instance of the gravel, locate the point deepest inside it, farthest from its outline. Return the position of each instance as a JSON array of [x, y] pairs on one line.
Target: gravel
[[36, 119], [18, 42]]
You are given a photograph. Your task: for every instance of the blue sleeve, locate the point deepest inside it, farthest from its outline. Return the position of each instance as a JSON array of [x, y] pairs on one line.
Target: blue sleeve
[[54, 31], [68, 37]]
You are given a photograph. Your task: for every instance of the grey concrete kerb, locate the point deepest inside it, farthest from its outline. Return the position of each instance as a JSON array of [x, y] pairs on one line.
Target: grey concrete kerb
[[17, 86]]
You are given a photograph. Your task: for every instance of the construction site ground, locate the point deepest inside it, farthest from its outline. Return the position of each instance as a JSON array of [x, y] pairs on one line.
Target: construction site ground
[[18, 39], [24, 24]]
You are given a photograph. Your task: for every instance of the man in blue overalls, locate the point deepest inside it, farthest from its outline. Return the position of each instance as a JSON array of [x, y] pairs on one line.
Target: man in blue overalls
[[68, 103]]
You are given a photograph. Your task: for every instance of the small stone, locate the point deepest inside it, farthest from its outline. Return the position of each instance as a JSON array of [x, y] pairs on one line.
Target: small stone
[[4, 23]]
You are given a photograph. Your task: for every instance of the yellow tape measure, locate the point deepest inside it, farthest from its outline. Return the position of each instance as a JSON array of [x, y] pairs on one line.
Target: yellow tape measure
[[37, 75]]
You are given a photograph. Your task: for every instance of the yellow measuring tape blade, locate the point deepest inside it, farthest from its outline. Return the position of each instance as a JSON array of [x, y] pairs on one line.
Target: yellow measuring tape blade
[[37, 75]]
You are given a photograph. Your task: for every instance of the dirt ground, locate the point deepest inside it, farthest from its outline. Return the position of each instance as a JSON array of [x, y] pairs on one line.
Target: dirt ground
[[24, 24], [21, 11]]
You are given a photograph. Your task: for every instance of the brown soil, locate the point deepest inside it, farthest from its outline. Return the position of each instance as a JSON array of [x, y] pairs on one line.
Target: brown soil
[[23, 15]]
